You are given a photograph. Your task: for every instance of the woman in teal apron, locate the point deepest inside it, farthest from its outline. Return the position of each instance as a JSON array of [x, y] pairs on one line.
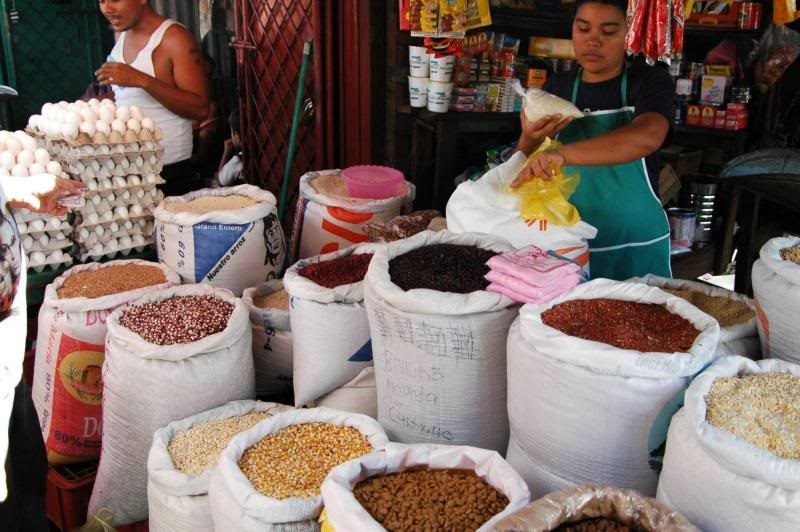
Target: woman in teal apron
[[613, 146]]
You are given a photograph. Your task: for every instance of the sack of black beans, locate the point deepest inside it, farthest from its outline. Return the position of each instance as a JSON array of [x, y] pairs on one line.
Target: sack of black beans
[[330, 337], [595, 507], [776, 288], [67, 384], [736, 313], [182, 458], [440, 355], [269, 477], [229, 237], [358, 395], [605, 365], [732, 461], [169, 354], [449, 475], [268, 304]]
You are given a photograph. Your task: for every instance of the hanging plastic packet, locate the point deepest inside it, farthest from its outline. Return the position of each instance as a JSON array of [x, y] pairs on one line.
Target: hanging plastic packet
[[539, 103], [777, 50]]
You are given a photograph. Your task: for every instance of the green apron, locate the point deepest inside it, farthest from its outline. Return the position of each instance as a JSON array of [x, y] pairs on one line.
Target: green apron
[[632, 229]]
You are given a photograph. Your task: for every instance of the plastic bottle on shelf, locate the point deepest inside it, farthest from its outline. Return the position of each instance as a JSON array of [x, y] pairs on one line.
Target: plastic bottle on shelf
[[683, 95]]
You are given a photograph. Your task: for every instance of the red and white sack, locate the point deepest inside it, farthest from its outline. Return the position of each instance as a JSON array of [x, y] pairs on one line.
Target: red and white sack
[[67, 381], [324, 223]]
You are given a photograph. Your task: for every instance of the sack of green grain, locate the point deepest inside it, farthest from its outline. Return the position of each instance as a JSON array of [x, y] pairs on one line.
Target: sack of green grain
[[776, 288], [269, 477], [229, 237], [67, 381], [733, 452], [736, 313], [182, 458], [169, 355], [358, 395], [268, 304]]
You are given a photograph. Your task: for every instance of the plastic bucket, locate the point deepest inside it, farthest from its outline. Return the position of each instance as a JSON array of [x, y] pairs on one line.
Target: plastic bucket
[[418, 91], [418, 61], [441, 68], [439, 96]]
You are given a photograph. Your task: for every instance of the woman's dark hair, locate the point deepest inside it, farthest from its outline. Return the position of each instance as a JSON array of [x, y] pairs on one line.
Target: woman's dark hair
[[622, 5]]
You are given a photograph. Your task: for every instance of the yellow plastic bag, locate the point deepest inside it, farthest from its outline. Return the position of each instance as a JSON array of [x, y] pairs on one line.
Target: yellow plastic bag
[[784, 11], [544, 199]]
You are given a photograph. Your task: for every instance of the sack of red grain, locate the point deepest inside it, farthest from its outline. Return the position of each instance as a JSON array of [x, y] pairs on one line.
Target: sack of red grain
[[593, 379], [67, 381]]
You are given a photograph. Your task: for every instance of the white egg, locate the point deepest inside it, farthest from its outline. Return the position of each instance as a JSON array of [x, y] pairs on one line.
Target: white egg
[[44, 240], [140, 193], [106, 114], [93, 218], [102, 126], [99, 231], [92, 184], [69, 131], [125, 242], [19, 171], [7, 160], [59, 236], [33, 121], [94, 102], [36, 225], [128, 225], [123, 113], [121, 212], [153, 160], [57, 255], [88, 128], [36, 169], [113, 227], [37, 258], [4, 171], [41, 156], [89, 115], [134, 181], [53, 167], [63, 104], [112, 245], [124, 164], [136, 210], [98, 249], [126, 195], [60, 115], [118, 126], [96, 200], [65, 225], [13, 145], [27, 243], [83, 233], [73, 117], [53, 224], [25, 158], [22, 227], [138, 240], [110, 164], [139, 162], [134, 125], [107, 216], [104, 184], [47, 109], [136, 113], [103, 149], [147, 123], [29, 143]]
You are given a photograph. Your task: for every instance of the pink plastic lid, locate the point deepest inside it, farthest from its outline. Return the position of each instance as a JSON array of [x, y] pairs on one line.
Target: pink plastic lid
[[373, 181]]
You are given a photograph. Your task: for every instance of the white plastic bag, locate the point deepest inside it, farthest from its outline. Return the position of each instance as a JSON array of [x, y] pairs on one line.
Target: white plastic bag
[[484, 206], [233, 249], [177, 501], [776, 287], [236, 505], [439, 357], [719, 481], [148, 386], [358, 395], [345, 513], [540, 103], [587, 412], [67, 381]]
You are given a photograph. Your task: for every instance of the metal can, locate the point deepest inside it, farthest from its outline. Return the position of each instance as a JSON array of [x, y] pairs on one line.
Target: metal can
[[682, 224]]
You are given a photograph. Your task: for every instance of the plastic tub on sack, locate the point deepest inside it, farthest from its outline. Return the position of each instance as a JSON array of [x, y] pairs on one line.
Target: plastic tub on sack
[[720, 481], [439, 357], [149, 385], [68, 385], [328, 219], [228, 237], [776, 289], [177, 499], [344, 512], [583, 411], [237, 505], [592, 502]]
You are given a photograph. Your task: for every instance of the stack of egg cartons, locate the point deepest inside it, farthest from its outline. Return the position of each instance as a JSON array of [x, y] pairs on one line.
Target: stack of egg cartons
[[45, 239], [116, 152]]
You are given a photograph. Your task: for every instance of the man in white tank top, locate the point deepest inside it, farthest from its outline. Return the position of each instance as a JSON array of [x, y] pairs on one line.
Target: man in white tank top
[[158, 66]]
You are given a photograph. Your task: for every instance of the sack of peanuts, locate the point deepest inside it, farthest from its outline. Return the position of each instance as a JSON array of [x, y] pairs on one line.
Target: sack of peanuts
[[268, 304], [269, 477], [776, 288], [329, 321], [170, 354], [67, 381], [484, 206], [733, 452], [736, 313], [439, 340], [328, 218], [595, 507], [606, 365], [358, 395], [183, 455], [229, 237], [470, 488]]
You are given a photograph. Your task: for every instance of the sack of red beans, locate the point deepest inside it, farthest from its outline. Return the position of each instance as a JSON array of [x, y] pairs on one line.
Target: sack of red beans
[[594, 377], [595, 507], [170, 354], [330, 331]]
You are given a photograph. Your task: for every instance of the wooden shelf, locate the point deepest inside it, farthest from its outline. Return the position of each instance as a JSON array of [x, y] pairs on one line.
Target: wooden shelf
[[710, 132], [530, 22], [711, 32]]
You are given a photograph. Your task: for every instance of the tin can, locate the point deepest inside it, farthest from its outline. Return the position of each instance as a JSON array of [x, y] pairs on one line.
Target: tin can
[[682, 224]]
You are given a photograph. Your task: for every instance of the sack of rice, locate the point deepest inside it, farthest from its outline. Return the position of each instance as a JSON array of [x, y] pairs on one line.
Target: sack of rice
[[67, 381], [229, 237]]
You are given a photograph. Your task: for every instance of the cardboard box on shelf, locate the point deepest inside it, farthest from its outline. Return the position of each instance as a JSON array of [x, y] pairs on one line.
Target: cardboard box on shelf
[[682, 159], [712, 89], [669, 184]]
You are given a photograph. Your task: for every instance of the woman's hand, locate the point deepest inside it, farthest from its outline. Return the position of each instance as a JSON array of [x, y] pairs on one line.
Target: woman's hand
[[113, 73], [545, 165], [41, 193], [534, 133]]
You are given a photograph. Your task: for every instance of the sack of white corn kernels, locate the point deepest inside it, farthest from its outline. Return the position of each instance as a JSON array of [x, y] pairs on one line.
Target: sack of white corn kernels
[[329, 220], [776, 288], [229, 237], [237, 505], [203, 359], [358, 395], [330, 335], [182, 458], [440, 357], [272, 337], [600, 411], [67, 381], [722, 482], [344, 512], [595, 501], [737, 317]]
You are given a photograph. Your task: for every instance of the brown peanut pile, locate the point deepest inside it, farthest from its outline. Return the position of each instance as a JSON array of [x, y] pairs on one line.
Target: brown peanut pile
[[110, 280], [435, 500], [726, 311], [600, 524]]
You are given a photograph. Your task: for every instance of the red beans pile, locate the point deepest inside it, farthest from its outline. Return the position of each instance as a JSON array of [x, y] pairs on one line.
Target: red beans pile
[[178, 320], [597, 525], [623, 324], [443, 267], [338, 272]]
